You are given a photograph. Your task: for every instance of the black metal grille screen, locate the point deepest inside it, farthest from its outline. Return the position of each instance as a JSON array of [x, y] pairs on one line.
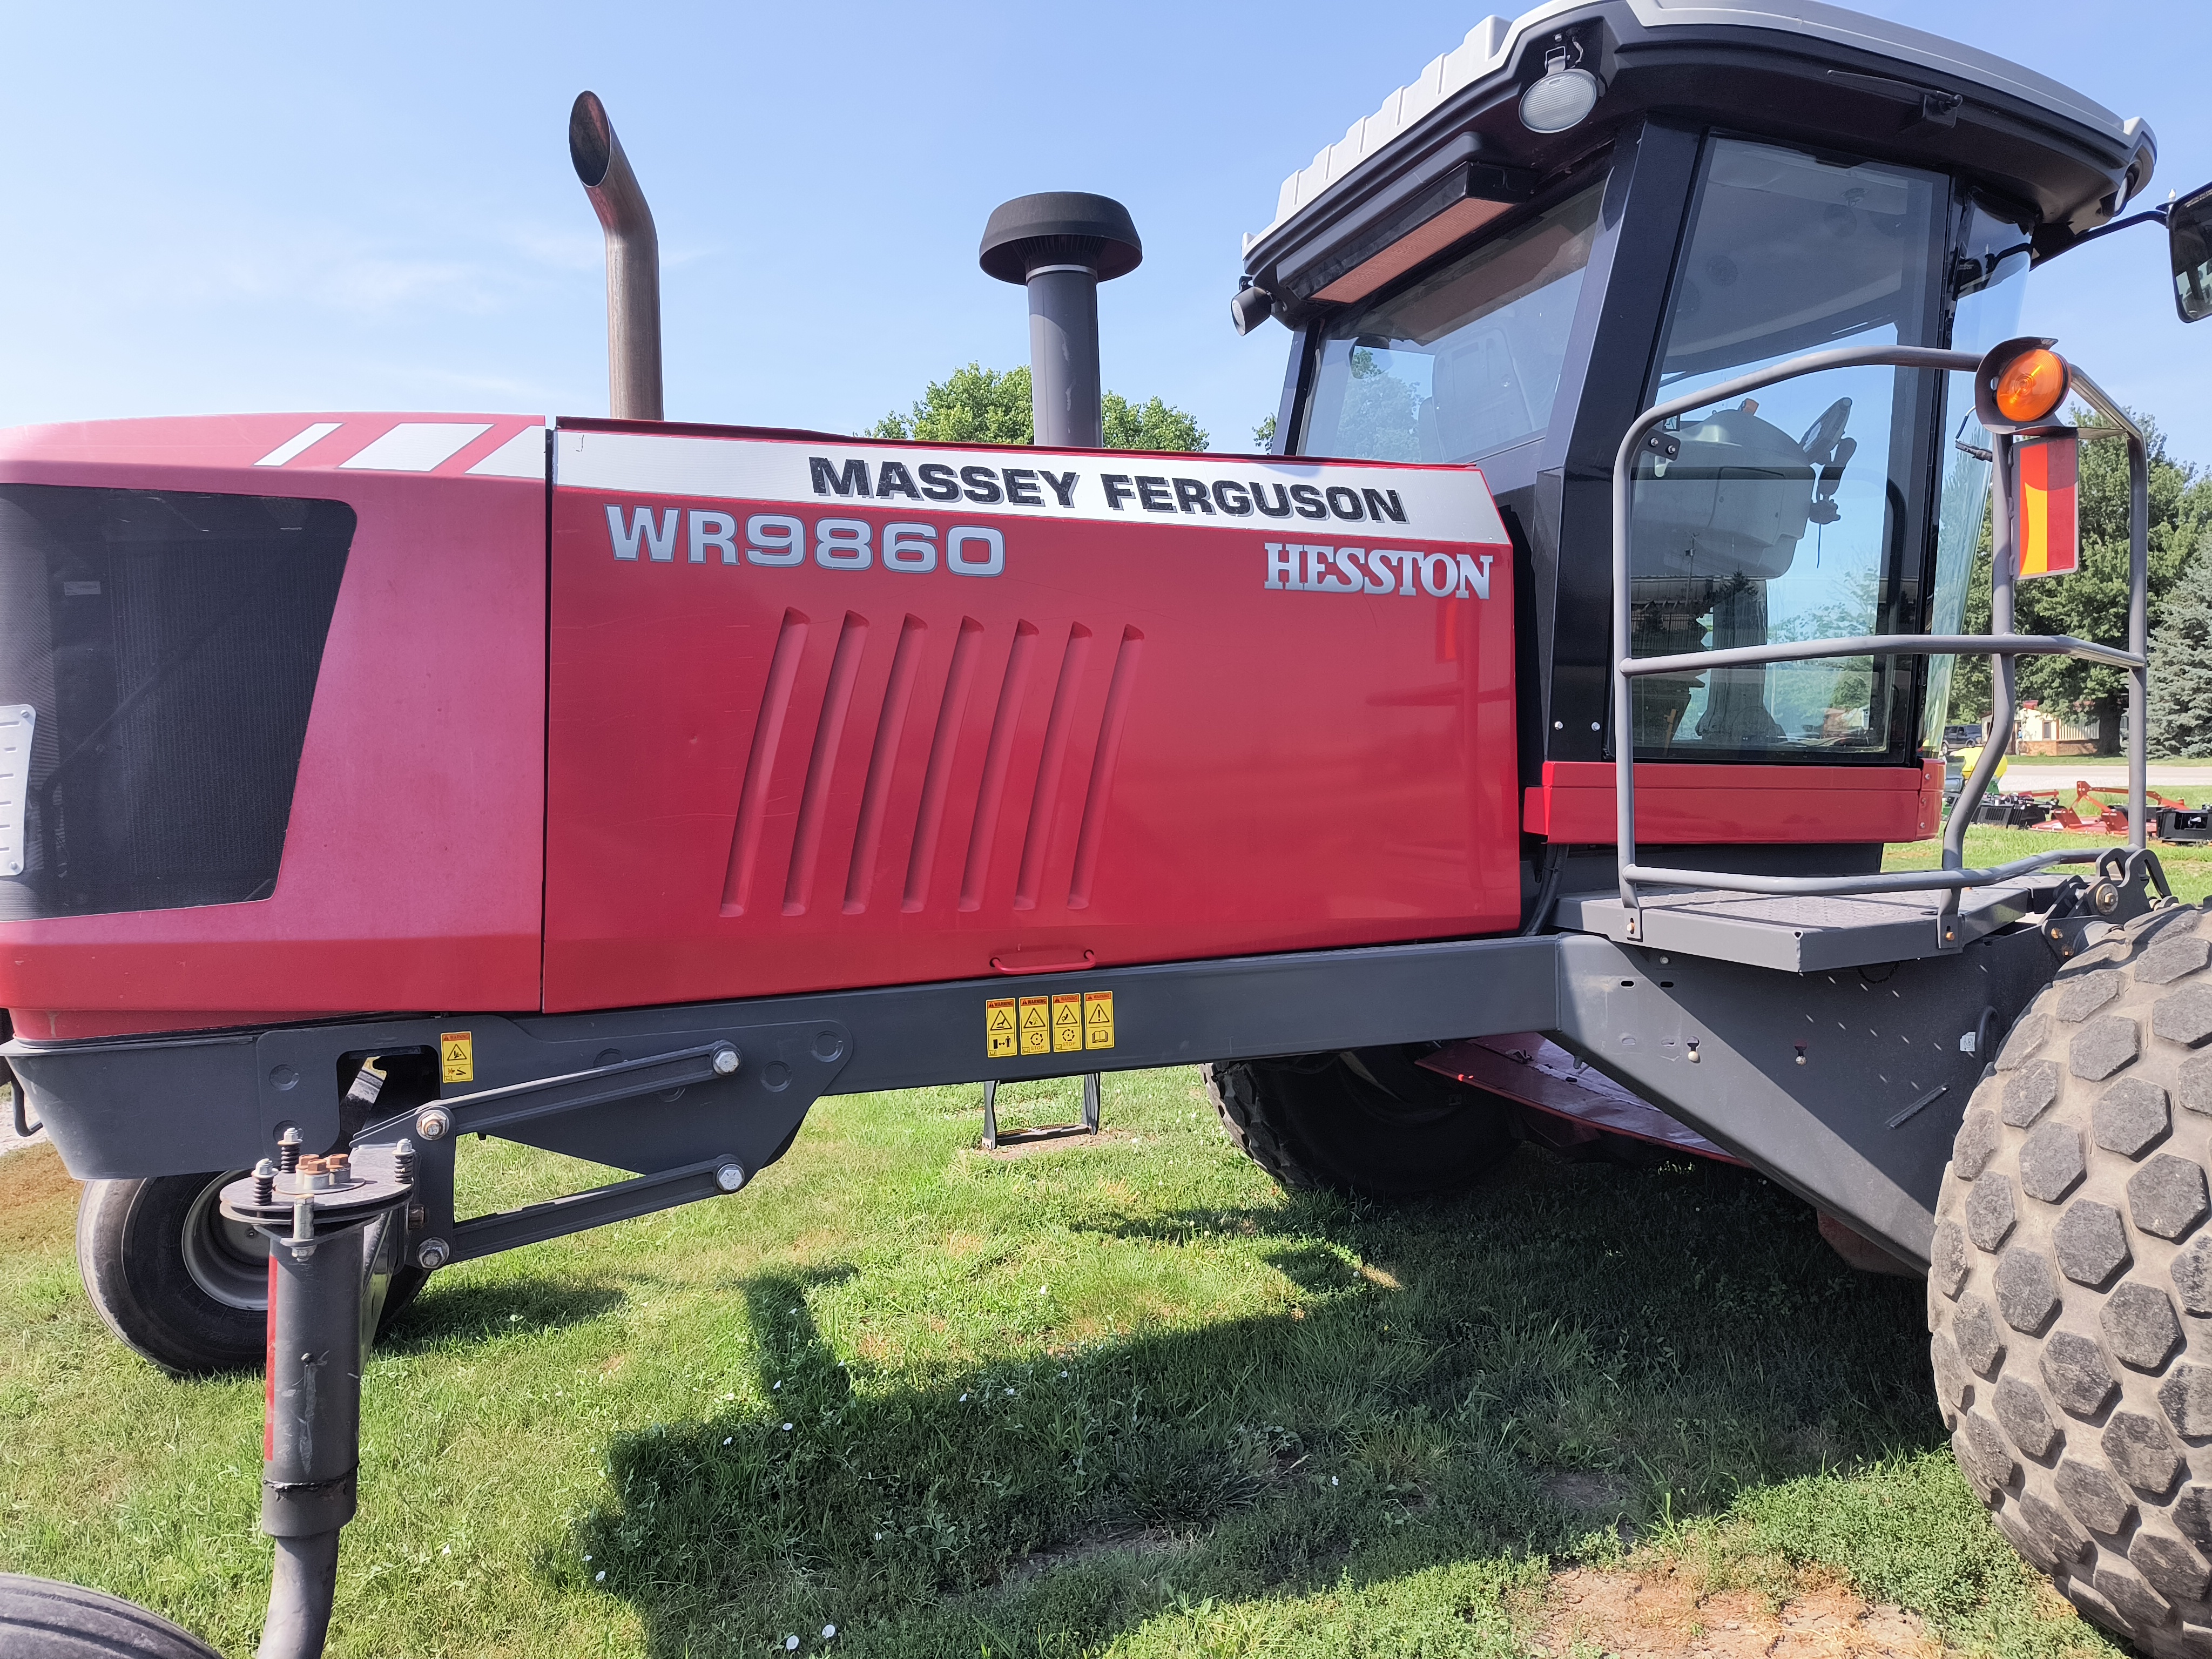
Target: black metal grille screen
[[167, 644]]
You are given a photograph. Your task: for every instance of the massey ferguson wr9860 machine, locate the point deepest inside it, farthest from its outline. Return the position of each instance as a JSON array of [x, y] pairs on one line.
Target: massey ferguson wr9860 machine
[[622, 787]]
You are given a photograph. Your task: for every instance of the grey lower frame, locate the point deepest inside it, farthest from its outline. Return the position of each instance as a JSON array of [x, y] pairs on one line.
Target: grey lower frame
[[1844, 1086]]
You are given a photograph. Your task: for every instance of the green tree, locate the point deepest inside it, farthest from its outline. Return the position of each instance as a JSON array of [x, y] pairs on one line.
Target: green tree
[[979, 405], [971, 405], [2181, 666], [1150, 425], [2092, 603], [1263, 435]]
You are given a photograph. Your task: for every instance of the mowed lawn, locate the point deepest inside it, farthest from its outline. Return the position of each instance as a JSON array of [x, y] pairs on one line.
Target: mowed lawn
[[2188, 869], [1123, 1397]]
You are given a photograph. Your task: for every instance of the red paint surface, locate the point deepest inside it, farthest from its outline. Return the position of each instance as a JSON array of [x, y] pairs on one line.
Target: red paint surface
[[1283, 770], [1294, 771], [1692, 803], [411, 877]]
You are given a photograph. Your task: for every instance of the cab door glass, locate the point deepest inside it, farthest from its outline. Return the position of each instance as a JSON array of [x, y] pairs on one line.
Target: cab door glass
[[1786, 515]]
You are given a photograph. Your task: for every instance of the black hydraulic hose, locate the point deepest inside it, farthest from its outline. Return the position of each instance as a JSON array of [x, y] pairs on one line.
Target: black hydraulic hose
[[300, 1593], [1547, 890]]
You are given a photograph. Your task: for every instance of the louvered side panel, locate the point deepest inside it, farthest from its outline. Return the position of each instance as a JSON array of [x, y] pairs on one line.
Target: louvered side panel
[[760, 762], [1090, 839], [883, 763]]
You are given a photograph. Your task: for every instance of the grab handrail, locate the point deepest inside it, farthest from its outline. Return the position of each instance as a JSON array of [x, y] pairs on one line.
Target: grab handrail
[[2001, 644]]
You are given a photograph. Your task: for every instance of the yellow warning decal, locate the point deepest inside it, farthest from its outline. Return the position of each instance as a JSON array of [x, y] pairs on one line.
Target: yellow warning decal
[[1067, 1023], [457, 1051], [999, 1040], [1097, 1019]]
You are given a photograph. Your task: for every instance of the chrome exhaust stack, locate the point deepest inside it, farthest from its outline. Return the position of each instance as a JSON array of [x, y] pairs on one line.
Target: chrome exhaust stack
[[633, 261]]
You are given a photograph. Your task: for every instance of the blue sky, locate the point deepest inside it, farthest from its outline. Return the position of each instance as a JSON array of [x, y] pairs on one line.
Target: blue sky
[[226, 208]]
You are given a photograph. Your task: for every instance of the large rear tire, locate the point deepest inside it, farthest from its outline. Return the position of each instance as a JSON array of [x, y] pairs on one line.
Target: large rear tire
[[2070, 1295], [180, 1284], [40, 1618], [1368, 1122]]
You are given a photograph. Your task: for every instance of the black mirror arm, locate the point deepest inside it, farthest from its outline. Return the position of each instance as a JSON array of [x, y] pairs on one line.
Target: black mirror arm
[[2148, 216]]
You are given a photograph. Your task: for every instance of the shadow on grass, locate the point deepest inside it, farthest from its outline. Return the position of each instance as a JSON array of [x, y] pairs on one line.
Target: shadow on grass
[[1680, 1331], [448, 1311]]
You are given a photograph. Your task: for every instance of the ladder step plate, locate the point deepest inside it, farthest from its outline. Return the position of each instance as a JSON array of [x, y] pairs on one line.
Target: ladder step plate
[[1803, 935]]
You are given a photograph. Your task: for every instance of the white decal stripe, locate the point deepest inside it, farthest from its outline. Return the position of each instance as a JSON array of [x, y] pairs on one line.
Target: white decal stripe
[[418, 446], [1441, 503], [299, 441], [17, 725], [522, 455]]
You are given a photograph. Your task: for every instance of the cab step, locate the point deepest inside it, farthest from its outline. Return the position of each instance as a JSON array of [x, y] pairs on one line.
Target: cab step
[[1801, 934]]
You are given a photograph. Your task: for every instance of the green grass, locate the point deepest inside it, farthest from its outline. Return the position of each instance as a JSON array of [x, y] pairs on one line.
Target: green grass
[[1123, 1399], [2188, 869]]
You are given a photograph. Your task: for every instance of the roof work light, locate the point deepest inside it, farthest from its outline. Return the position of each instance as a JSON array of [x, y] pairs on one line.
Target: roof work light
[[1562, 98]]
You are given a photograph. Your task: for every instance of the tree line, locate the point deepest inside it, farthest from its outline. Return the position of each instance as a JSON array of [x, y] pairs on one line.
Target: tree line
[[2092, 603]]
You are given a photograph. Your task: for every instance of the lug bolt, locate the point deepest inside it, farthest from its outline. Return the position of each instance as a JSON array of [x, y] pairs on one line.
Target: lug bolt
[[433, 1122], [288, 1151], [403, 1163], [726, 1059], [435, 1253], [265, 1182], [730, 1177]]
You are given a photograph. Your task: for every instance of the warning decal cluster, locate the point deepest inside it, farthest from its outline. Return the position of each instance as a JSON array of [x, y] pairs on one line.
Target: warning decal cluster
[[457, 1054], [1071, 1021]]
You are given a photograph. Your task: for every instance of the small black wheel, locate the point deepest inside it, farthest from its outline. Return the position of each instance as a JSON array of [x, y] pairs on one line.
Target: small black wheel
[[179, 1282], [171, 1275], [2069, 1296], [40, 1618], [1369, 1121]]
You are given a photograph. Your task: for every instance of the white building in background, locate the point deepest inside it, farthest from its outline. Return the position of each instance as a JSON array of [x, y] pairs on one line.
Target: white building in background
[[2037, 731]]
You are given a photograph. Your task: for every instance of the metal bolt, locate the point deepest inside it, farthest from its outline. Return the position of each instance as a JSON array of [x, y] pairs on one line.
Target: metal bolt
[[288, 1151], [730, 1177], [726, 1059], [435, 1253], [403, 1162], [265, 1182], [433, 1122]]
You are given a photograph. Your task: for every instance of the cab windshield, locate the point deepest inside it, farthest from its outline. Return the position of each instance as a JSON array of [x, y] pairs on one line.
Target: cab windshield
[[1464, 362]]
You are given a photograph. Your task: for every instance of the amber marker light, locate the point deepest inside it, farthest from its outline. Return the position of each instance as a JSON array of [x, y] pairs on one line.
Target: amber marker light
[[2031, 386]]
